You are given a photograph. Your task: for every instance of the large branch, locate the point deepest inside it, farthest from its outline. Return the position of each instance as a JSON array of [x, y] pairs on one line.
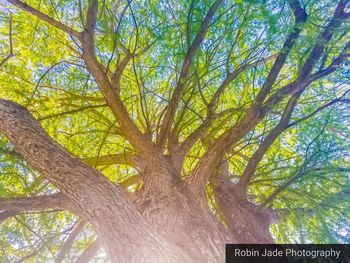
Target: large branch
[[257, 112], [268, 141], [132, 133], [45, 18], [140, 142], [121, 158], [38, 203], [111, 95], [300, 17], [181, 84], [112, 98], [104, 204]]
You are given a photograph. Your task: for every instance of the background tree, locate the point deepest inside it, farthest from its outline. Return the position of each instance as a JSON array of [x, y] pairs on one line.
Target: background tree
[[164, 129]]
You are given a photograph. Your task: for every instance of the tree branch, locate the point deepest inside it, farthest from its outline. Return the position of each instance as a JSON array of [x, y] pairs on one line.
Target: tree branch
[[37, 203], [67, 245], [45, 17], [336, 63], [105, 205], [131, 131], [300, 17], [326, 35], [10, 55], [133, 134], [257, 112], [253, 162], [180, 87], [122, 158], [89, 252]]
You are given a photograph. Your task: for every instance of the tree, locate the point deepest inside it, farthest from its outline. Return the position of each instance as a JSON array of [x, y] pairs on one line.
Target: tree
[[161, 130]]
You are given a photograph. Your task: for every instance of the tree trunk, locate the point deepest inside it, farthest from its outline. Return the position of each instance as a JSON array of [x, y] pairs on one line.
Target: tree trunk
[[245, 221], [185, 220], [124, 232], [161, 226]]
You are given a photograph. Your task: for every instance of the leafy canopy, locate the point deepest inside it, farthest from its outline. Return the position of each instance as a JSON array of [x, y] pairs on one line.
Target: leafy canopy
[[309, 160]]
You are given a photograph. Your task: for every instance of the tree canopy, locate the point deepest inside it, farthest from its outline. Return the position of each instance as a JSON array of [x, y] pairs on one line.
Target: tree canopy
[[250, 93]]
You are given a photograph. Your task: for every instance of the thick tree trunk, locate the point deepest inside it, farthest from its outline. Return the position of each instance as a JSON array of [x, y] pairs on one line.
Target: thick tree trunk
[[172, 226], [161, 226], [245, 221], [170, 221], [185, 220], [127, 236]]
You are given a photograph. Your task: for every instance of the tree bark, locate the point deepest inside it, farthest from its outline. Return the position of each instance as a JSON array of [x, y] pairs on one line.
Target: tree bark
[[170, 220], [245, 222], [185, 219], [37, 203], [122, 229], [164, 226]]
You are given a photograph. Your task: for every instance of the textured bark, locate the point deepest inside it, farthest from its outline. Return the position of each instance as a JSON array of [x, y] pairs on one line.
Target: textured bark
[[107, 208], [37, 203], [246, 223], [132, 160], [176, 219], [169, 221], [10, 207], [174, 226], [185, 220]]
